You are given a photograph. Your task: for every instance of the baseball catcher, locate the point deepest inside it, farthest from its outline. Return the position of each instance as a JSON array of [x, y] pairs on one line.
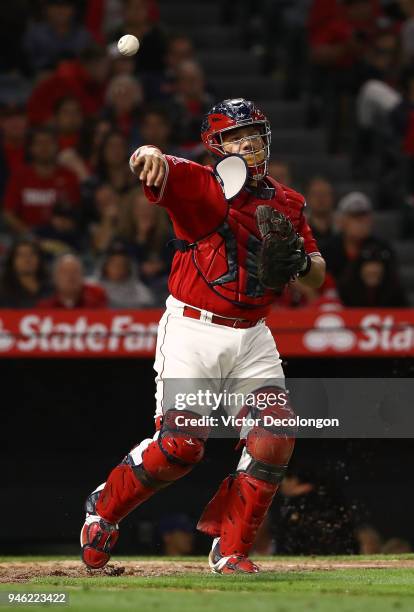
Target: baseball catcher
[[241, 236]]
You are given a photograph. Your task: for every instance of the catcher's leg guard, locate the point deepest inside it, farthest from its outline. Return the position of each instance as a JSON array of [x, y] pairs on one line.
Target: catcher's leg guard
[[242, 501], [172, 454], [150, 466], [98, 537]]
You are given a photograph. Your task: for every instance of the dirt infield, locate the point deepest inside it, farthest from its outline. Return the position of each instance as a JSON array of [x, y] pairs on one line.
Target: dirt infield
[[20, 572]]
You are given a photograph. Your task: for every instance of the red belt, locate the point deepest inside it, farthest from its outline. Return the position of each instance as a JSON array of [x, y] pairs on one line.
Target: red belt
[[193, 313]]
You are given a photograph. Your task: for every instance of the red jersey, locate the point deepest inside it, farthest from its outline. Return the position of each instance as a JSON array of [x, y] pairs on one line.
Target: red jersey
[[220, 273], [31, 197], [92, 296]]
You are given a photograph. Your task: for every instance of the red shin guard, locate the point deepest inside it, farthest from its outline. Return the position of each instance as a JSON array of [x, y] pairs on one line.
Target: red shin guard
[[248, 500], [163, 461], [212, 516], [236, 512], [122, 493]]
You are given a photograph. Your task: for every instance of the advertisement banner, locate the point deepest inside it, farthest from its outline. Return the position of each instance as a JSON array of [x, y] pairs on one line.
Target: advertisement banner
[[127, 333]]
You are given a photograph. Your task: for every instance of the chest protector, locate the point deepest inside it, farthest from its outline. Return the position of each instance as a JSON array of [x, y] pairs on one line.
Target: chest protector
[[227, 258]]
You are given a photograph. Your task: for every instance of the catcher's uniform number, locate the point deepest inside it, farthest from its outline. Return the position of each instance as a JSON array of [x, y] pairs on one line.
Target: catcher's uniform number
[[15, 599]]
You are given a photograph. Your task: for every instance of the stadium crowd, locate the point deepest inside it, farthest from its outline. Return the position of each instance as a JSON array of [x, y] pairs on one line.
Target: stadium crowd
[[76, 230]]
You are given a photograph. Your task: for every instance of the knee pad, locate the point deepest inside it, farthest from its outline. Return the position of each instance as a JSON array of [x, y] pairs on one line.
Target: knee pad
[[270, 446], [173, 453]]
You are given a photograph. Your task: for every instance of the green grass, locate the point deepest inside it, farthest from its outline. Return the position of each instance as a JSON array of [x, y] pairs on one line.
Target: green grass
[[337, 590]]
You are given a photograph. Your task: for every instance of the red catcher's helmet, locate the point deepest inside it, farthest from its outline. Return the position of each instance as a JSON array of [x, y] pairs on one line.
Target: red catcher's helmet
[[232, 114]]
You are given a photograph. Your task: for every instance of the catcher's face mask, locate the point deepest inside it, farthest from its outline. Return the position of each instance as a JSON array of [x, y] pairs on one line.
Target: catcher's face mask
[[251, 143]]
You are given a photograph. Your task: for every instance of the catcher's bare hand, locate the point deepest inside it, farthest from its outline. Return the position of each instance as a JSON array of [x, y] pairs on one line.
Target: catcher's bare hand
[[150, 165]]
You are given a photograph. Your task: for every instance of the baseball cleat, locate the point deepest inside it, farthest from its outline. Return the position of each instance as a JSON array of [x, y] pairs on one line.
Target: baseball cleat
[[98, 537], [232, 564]]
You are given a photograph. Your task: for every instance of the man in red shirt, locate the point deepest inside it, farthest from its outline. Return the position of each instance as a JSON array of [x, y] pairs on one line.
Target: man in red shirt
[[33, 190], [84, 79], [213, 331], [71, 289]]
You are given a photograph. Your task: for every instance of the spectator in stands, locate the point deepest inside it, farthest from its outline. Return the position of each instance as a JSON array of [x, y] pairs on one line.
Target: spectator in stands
[[68, 123], [355, 222], [179, 49], [377, 97], [71, 290], [124, 97], [155, 127], [120, 64], [191, 102], [84, 78], [275, 31], [312, 517], [113, 163], [119, 277], [106, 228], [320, 205], [24, 279], [146, 230], [62, 233], [58, 36], [299, 295], [280, 170], [102, 17], [13, 133], [372, 281], [339, 35], [371, 542], [33, 190], [92, 137], [397, 546], [177, 534], [381, 61], [83, 162], [137, 21], [398, 163]]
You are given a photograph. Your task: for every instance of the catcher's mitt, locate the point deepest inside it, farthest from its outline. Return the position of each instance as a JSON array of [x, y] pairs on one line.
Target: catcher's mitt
[[282, 255]]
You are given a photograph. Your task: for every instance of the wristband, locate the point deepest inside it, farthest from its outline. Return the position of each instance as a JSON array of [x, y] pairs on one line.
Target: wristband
[[307, 267]]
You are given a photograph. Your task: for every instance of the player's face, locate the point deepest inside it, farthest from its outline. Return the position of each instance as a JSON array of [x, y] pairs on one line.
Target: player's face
[[245, 141]]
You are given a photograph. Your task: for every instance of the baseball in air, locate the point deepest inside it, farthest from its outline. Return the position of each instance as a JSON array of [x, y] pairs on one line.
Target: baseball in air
[[128, 45]]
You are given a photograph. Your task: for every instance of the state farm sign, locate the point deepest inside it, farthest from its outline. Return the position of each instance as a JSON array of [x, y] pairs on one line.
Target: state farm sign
[[374, 333], [104, 333], [73, 334]]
